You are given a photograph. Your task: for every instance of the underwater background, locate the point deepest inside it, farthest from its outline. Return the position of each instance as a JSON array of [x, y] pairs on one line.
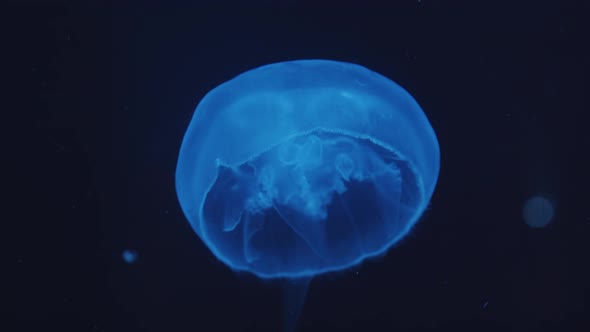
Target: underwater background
[[101, 95]]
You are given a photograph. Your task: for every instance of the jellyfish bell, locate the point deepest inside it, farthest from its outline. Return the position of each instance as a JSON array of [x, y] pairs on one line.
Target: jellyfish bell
[[294, 168]]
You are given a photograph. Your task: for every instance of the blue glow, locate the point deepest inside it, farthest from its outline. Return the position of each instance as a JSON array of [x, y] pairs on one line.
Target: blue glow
[[129, 256], [304, 167], [538, 211]]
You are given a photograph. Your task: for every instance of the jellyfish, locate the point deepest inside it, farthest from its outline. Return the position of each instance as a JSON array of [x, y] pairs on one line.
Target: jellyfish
[[303, 167]]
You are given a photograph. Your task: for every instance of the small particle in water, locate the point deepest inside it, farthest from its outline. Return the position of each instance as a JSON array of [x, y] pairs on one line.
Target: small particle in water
[[538, 211], [485, 305], [129, 256]]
